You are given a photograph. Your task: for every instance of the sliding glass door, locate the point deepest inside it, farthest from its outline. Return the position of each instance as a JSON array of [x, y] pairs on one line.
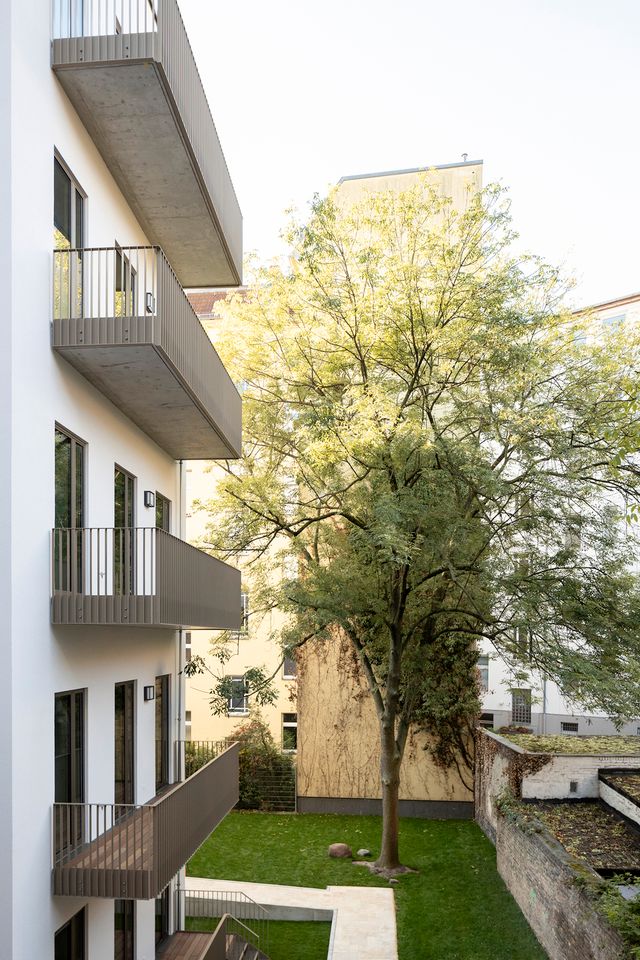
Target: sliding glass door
[[125, 743]]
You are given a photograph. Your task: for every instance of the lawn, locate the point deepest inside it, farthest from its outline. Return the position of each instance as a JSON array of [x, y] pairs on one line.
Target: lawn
[[455, 908]]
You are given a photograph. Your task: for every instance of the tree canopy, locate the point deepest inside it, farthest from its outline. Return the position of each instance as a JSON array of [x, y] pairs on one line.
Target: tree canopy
[[435, 451]]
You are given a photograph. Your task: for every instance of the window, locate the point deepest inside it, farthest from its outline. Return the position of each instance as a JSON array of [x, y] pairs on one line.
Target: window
[[616, 321], [163, 513], [68, 240], [69, 511], [124, 761], [69, 765], [124, 493], [483, 673], [68, 209], [187, 724], [187, 646], [124, 929], [568, 726], [70, 939], [162, 731], [244, 606], [289, 667], [522, 640], [125, 285], [486, 720], [521, 706], [289, 732], [238, 701]]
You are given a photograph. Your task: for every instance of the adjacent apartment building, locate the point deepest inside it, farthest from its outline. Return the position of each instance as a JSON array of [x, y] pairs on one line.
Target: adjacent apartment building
[[252, 644], [538, 703], [115, 196]]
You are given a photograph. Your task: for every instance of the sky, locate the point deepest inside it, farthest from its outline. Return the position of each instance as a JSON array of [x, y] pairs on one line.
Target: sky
[[545, 92]]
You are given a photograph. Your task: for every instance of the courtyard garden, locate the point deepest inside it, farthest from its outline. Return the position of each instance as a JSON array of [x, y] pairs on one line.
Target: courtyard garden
[[455, 907]]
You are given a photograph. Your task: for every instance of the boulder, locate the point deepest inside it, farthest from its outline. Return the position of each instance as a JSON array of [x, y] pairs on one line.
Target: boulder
[[364, 853], [339, 850]]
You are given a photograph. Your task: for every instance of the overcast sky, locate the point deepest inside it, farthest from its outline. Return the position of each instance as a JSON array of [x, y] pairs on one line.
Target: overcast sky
[[546, 92]]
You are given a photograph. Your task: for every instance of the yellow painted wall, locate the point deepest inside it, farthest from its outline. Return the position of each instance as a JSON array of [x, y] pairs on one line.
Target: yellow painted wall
[[254, 649], [338, 753], [450, 181]]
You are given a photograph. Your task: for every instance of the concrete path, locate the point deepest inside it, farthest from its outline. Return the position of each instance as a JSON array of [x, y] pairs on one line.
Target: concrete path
[[363, 919]]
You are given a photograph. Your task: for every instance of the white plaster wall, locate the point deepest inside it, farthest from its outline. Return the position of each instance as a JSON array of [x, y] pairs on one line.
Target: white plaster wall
[[553, 781], [6, 285], [558, 708], [622, 804], [39, 659]]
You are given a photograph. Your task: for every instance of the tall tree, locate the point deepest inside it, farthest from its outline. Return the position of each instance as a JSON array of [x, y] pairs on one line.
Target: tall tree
[[440, 453]]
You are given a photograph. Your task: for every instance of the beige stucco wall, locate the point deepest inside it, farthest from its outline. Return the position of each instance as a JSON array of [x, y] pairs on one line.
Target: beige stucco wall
[[338, 752], [453, 181], [256, 648]]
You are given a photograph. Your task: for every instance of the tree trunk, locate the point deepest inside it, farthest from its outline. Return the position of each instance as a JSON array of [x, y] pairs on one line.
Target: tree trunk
[[390, 761]]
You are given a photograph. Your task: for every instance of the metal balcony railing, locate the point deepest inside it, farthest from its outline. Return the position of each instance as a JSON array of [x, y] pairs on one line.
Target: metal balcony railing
[[132, 851], [153, 127], [139, 576], [122, 319], [196, 906]]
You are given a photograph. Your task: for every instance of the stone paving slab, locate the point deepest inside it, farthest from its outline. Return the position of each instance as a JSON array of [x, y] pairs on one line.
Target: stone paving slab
[[363, 918]]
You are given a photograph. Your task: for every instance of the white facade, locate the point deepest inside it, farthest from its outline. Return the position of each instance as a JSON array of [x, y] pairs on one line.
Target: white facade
[[547, 711], [39, 389]]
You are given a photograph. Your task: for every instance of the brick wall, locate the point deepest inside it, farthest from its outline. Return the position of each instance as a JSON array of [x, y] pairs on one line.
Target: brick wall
[[541, 878]]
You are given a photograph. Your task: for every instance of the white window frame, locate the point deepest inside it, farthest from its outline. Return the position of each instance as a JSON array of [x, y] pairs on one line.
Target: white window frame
[[290, 725], [235, 711]]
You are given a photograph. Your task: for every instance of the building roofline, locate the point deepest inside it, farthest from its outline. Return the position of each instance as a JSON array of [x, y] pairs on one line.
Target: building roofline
[[395, 173], [618, 302]]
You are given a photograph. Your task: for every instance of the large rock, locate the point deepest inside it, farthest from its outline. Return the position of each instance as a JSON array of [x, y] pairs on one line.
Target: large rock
[[339, 850], [363, 853]]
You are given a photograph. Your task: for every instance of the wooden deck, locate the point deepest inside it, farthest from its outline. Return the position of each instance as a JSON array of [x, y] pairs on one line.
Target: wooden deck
[[184, 945]]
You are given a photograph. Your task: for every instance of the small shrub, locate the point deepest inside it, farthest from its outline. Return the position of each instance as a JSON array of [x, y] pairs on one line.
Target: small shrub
[[261, 764]]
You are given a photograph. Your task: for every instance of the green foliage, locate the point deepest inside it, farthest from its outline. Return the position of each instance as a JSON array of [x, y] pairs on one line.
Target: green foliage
[[261, 763], [436, 452], [623, 915], [257, 681]]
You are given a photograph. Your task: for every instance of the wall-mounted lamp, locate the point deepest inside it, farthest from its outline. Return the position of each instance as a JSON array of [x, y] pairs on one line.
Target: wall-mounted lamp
[[150, 692], [150, 303], [149, 498]]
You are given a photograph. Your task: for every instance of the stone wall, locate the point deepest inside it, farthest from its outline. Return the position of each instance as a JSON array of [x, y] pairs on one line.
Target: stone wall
[[542, 879], [500, 768]]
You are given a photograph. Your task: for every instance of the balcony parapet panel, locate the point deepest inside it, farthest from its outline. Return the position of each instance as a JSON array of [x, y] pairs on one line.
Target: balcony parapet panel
[[128, 68], [121, 318], [132, 851], [139, 576]]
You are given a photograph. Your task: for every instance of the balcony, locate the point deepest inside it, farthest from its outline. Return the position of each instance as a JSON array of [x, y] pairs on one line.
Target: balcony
[[133, 851], [139, 576], [121, 318], [128, 68]]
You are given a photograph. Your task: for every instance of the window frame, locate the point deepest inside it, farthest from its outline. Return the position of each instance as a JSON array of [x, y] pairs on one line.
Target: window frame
[[521, 711], [75, 243], [238, 711], [483, 672], [289, 725]]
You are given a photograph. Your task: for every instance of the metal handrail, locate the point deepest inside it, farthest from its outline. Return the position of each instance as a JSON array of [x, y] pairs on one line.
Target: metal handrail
[[212, 904]]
